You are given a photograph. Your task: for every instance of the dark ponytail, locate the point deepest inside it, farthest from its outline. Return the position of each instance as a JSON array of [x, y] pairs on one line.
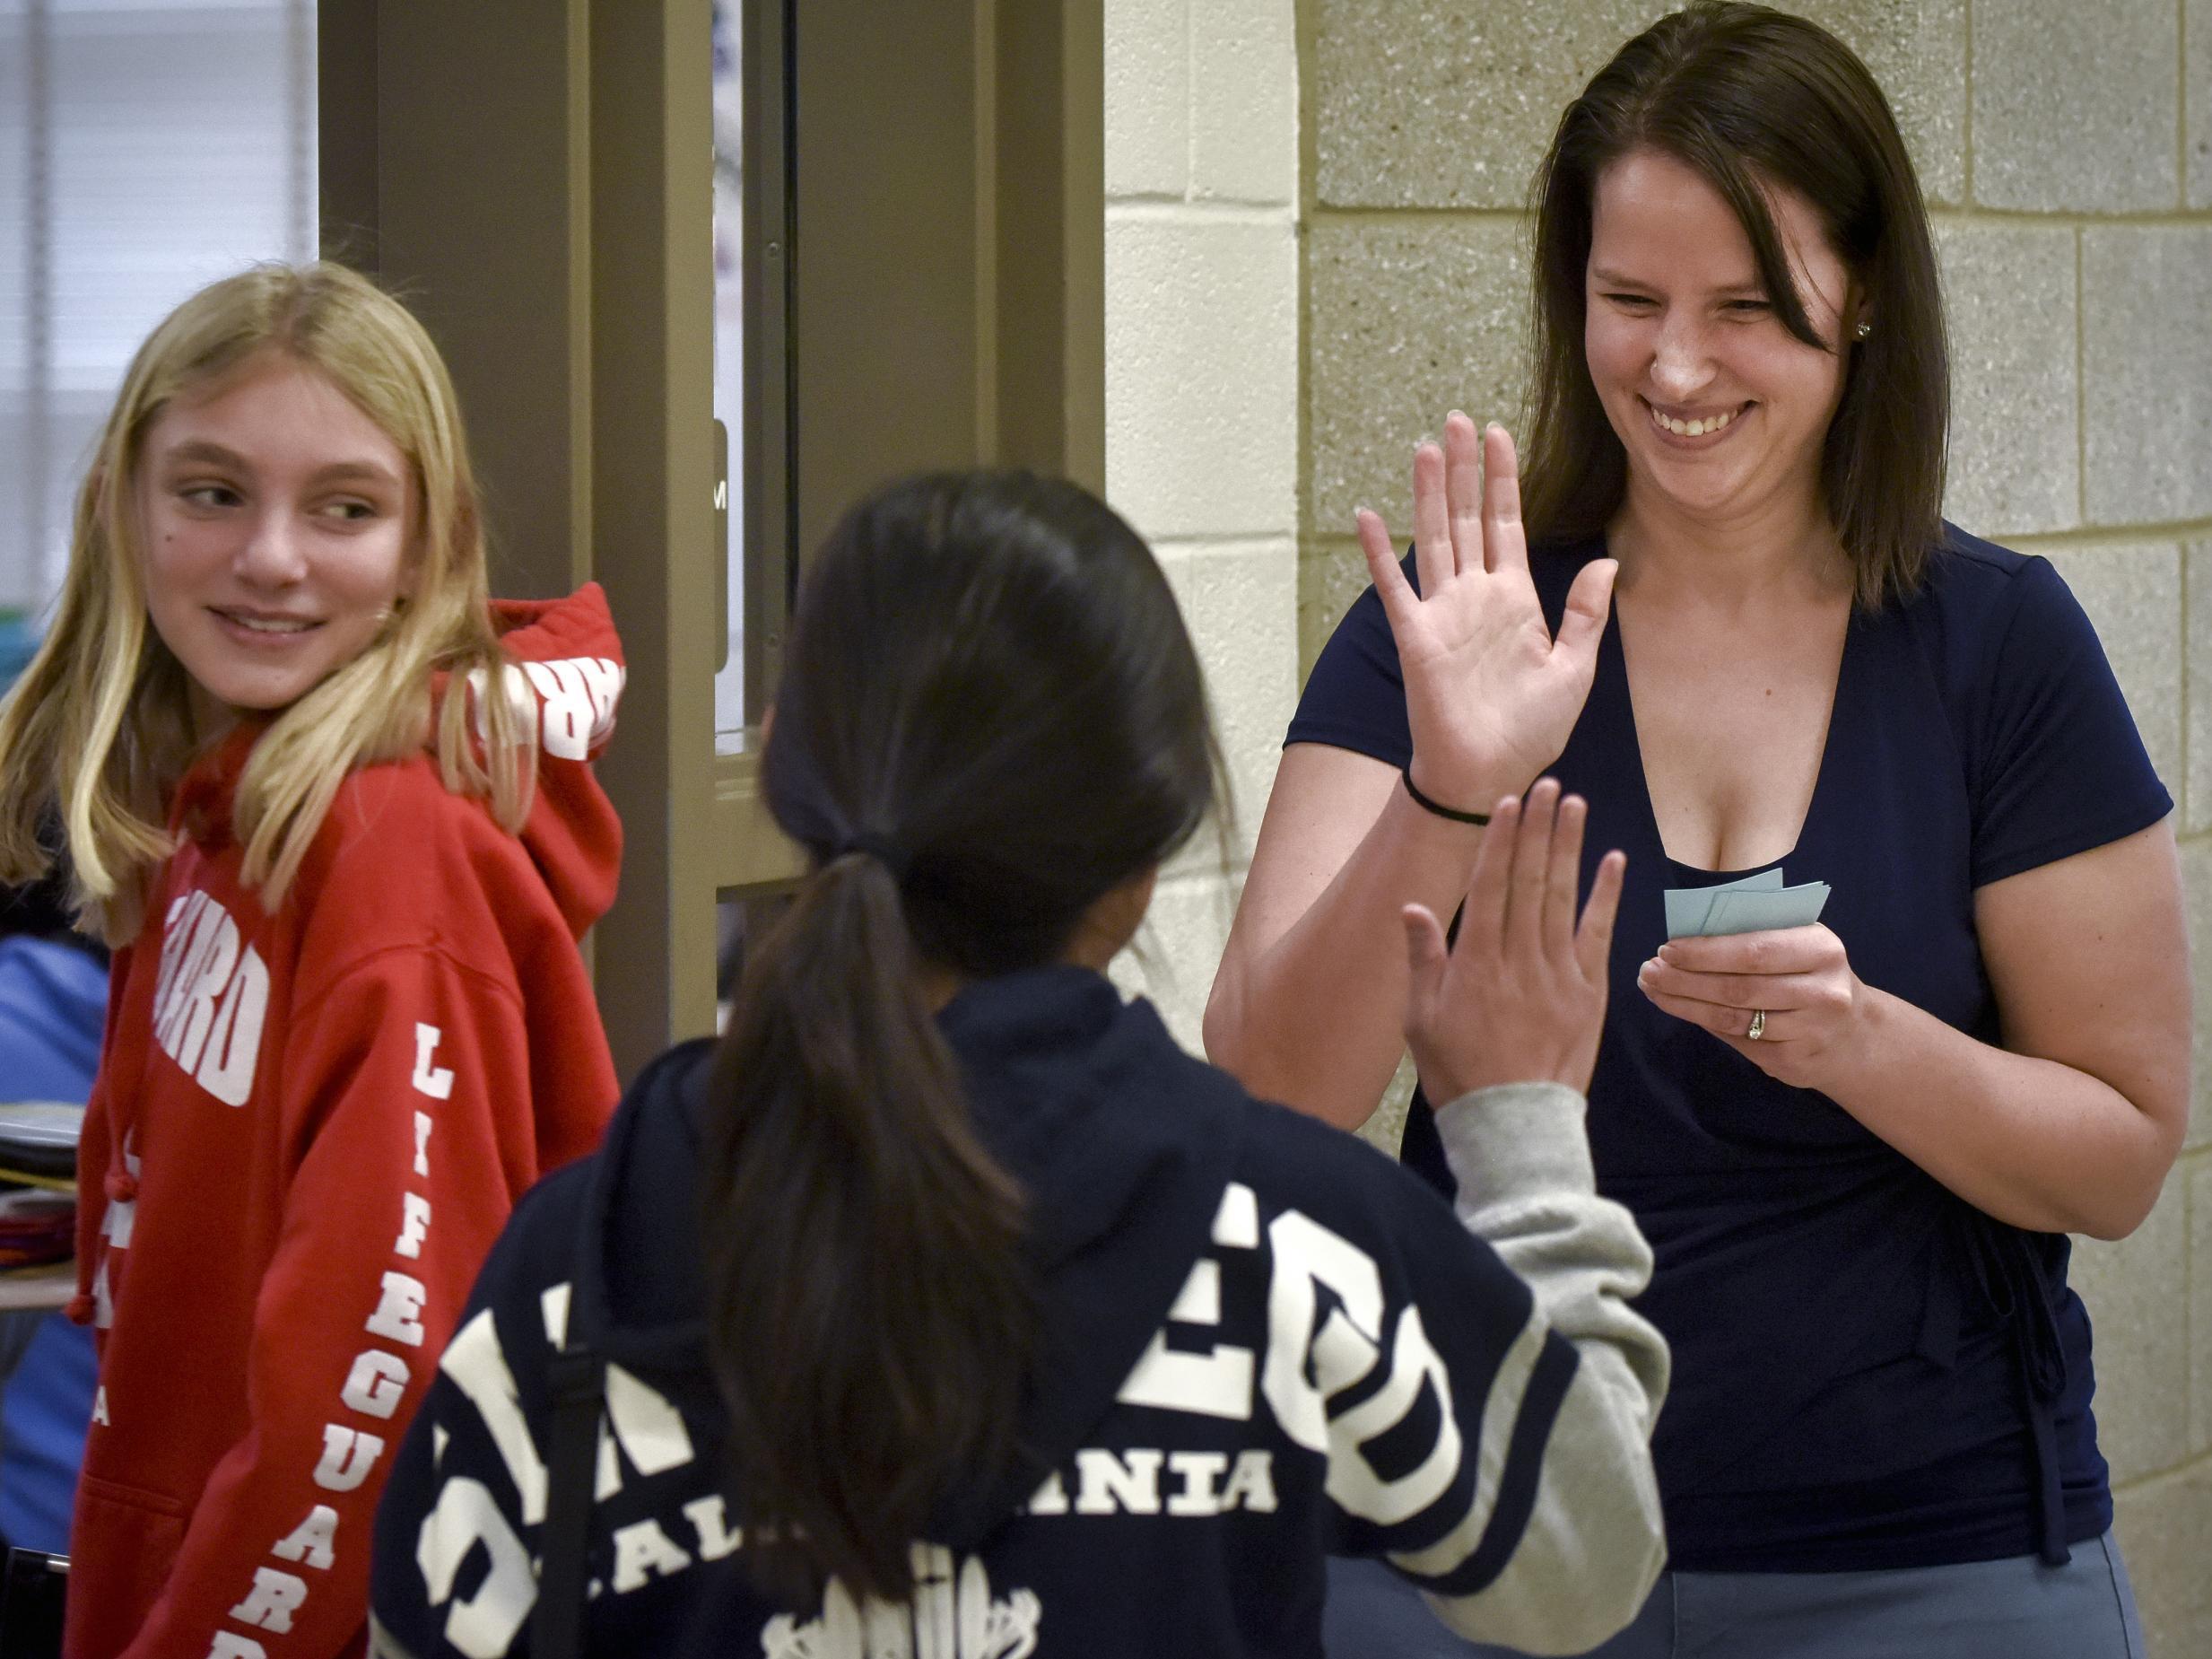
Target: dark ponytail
[[990, 717]]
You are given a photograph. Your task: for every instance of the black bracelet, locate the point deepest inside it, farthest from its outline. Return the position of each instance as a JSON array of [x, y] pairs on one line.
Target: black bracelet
[[1442, 811]]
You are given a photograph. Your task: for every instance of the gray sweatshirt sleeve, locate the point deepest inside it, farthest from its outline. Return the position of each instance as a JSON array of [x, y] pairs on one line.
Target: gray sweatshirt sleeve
[[1595, 1543]]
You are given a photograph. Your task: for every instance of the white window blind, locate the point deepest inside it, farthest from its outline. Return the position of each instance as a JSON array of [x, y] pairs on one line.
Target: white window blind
[[146, 147]]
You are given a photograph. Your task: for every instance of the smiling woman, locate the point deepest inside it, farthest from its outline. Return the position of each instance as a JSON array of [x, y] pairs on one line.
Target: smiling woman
[[1857, 1146], [337, 809], [1719, 409]]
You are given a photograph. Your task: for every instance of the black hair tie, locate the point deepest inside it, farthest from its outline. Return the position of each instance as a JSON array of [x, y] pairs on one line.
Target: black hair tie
[[885, 850], [1438, 808]]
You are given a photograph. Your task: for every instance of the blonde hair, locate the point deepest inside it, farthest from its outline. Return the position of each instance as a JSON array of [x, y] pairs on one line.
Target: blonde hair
[[98, 724]]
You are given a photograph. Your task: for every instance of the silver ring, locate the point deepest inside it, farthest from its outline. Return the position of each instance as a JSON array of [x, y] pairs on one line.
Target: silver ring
[[1758, 1026]]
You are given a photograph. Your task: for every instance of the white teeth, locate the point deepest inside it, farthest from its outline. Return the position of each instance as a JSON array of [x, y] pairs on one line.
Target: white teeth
[[271, 625], [1693, 428]]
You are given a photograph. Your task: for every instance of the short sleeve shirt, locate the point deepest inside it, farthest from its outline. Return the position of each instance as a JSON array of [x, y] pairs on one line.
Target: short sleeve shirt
[[1848, 1363]]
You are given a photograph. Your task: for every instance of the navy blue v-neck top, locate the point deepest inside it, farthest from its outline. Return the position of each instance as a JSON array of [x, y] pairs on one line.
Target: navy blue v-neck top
[[1869, 1371]]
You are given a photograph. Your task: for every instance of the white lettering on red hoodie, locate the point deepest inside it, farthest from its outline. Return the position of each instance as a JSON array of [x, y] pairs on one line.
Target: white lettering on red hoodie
[[307, 1130]]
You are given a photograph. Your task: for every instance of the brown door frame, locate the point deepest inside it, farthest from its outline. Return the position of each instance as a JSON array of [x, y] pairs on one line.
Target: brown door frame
[[535, 177]]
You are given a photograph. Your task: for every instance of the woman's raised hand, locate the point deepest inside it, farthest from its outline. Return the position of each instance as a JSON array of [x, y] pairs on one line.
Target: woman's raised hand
[[1521, 995], [1490, 695]]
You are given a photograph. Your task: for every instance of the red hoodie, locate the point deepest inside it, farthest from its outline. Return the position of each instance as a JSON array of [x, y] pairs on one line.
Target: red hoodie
[[307, 1130]]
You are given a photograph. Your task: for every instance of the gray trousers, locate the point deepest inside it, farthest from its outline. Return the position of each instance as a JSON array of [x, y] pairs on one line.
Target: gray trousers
[[2012, 1609]]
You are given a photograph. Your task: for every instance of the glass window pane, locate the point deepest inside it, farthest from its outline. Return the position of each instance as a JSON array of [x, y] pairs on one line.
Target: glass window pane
[[729, 363], [146, 147]]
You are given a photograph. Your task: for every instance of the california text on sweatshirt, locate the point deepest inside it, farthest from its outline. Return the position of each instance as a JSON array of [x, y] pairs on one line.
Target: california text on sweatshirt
[[1262, 1343], [308, 1128]]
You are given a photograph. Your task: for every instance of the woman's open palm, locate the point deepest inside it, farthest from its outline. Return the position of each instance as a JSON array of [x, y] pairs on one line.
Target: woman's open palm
[[1490, 694]]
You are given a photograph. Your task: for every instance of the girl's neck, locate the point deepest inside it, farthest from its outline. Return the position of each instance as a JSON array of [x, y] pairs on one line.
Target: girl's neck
[[211, 720], [1785, 550]]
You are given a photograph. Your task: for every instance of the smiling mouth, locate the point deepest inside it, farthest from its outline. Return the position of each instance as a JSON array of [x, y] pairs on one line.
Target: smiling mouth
[[275, 625], [1701, 427]]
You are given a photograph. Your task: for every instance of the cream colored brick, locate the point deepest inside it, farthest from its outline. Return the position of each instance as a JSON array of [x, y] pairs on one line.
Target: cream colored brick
[[2075, 107], [2199, 720], [2146, 355], [1331, 576], [1916, 50], [1239, 601], [1244, 100], [2197, 103], [2132, 592], [2015, 450], [1447, 103], [1148, 98], [2164, 1529], [2197, 894], [1173, 959], [2136, 1291], [1442, 103], [2198, 1173], [1202, 373], [1404, 323]]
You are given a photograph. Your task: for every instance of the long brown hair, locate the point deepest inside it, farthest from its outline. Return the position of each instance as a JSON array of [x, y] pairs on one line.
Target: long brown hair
[[991, 717], [1754, 99]]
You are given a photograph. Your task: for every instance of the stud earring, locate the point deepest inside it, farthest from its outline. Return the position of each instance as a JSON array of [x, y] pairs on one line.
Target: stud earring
[[1863, 330]]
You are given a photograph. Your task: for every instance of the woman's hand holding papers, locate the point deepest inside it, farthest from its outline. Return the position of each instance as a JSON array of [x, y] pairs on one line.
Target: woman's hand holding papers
[[1797, 980]]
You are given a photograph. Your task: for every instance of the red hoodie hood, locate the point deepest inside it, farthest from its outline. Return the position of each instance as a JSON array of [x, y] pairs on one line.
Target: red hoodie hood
[[571, 664], [566, 679]]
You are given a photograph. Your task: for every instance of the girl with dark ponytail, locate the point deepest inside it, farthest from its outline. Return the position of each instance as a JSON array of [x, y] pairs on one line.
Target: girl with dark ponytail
[[946, 1307], [872, 1322]]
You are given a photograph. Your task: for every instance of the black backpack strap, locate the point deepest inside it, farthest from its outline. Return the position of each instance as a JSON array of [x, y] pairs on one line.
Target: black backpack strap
[[578, 1379]]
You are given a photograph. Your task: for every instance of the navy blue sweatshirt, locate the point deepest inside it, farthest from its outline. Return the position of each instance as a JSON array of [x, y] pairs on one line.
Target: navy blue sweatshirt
[[1263, 1343]]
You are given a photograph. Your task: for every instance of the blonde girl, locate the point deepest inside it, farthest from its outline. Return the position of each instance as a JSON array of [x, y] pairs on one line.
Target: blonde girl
[[349, 1022]]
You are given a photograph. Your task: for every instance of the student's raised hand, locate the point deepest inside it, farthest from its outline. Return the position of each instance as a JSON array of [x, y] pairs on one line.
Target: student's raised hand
[[1490, 694], [1521, 995]]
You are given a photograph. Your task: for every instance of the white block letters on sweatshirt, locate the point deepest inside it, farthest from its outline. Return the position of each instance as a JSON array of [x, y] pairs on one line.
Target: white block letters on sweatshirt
[[348, 1456], [485, 1625], [309, 1542], [1308, 1366], [568, 705], [1218, 1382], [211, 998], [202, 1015], [276, 1597], [431, 1079], [375, 1383]]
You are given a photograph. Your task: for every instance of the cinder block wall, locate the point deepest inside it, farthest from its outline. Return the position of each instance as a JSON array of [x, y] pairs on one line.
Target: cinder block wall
[[1202, 400], [2067, 152]]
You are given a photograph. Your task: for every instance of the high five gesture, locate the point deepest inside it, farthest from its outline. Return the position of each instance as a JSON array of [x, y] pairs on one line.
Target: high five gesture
[[1490, 694], [1311, 992]]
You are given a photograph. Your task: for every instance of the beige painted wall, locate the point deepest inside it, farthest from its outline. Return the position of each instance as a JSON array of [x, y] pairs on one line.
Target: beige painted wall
[[1202, 398], [2068, 150]]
